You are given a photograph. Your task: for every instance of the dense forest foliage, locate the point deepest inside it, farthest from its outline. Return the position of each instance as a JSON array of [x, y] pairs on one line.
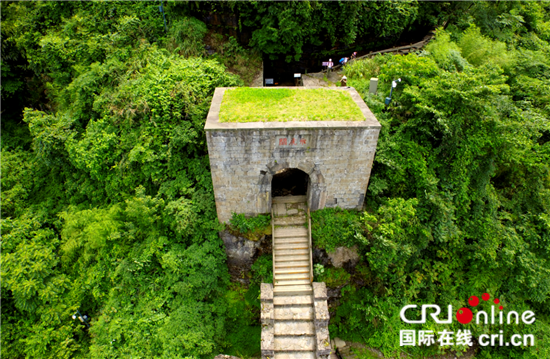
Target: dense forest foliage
[[107, 201]]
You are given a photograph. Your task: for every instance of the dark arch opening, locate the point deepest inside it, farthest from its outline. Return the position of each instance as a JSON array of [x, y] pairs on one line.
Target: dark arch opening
[[289, 182]]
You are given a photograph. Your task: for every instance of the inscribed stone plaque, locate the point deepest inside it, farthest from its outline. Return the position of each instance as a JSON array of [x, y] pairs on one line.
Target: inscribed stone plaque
[[296, 141]]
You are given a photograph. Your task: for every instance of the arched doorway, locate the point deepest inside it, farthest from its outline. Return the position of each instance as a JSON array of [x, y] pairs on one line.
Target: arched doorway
[[289, 182]]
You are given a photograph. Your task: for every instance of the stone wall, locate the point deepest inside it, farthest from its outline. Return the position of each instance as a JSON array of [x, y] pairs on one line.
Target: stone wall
[[244, 157]]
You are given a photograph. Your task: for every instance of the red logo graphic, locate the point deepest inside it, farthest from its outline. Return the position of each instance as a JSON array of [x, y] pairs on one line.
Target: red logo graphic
[[465, 315]]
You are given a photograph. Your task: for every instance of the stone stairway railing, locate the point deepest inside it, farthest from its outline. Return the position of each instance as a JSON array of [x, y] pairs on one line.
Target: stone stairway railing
[[312, 338], [398, 49], [310, 245], [294, 310]]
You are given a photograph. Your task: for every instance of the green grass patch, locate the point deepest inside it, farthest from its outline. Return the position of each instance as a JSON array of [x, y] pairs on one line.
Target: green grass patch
[[247, 104]]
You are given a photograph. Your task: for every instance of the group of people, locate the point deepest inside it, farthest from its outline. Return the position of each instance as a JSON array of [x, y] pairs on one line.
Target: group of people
[[343, 61]]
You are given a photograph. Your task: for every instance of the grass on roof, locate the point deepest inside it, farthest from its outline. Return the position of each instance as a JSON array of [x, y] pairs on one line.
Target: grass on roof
[[247, 104]]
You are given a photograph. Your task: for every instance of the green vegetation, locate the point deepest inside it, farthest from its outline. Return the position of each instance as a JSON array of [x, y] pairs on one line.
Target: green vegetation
[[256, 104], [252, 228], [284, 29], [333, 227], [262, 270], [243, 315], [459, 195], [107, 200], [107, 203], [333, 277]]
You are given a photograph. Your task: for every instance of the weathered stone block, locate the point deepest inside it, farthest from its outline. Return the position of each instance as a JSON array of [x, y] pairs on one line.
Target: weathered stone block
[[342, 255], [267, 345], [339, 343], [323, 341], [267, 313], [266, 292], [319, 290], [321, 313]]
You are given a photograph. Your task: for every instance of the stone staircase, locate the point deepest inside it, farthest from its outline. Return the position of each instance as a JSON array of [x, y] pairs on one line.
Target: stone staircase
[[294, 310], [292, 272]]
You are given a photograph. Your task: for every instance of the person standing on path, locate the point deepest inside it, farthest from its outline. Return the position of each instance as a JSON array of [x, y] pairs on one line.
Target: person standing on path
[[343, 61], [329, 66], [344, 81]]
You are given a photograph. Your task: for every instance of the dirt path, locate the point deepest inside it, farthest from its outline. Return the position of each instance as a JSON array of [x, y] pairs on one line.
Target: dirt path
[[321, 79]]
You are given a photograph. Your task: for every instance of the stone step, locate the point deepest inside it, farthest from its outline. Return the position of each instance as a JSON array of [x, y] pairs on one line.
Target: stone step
[[292, 300], [291, 252], [292, 276], [295, 355], [296, 240], [291, 270], [288, 258], [294, 264], [300, 245], [289, 199], [289, 209], [292, 289], [294, 343], [294, 328], [290, 221], [293, 313], [291, 232], [290, 282]]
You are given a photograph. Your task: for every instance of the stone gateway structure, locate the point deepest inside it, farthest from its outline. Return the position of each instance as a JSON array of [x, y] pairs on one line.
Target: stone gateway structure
[[288, 169], [327, 161]]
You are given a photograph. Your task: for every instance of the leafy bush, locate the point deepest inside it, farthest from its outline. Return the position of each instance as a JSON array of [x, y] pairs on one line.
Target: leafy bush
[[479, 50], [333, 277], [262, 270], [318, 269], [250, 227], [394, 236], [186, 36], [365, 68], [243, 336], [244, 62], [446, 53], [334, 227]]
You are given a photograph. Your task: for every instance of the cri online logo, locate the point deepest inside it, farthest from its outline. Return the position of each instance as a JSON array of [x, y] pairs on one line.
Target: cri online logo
[[465, 316]]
